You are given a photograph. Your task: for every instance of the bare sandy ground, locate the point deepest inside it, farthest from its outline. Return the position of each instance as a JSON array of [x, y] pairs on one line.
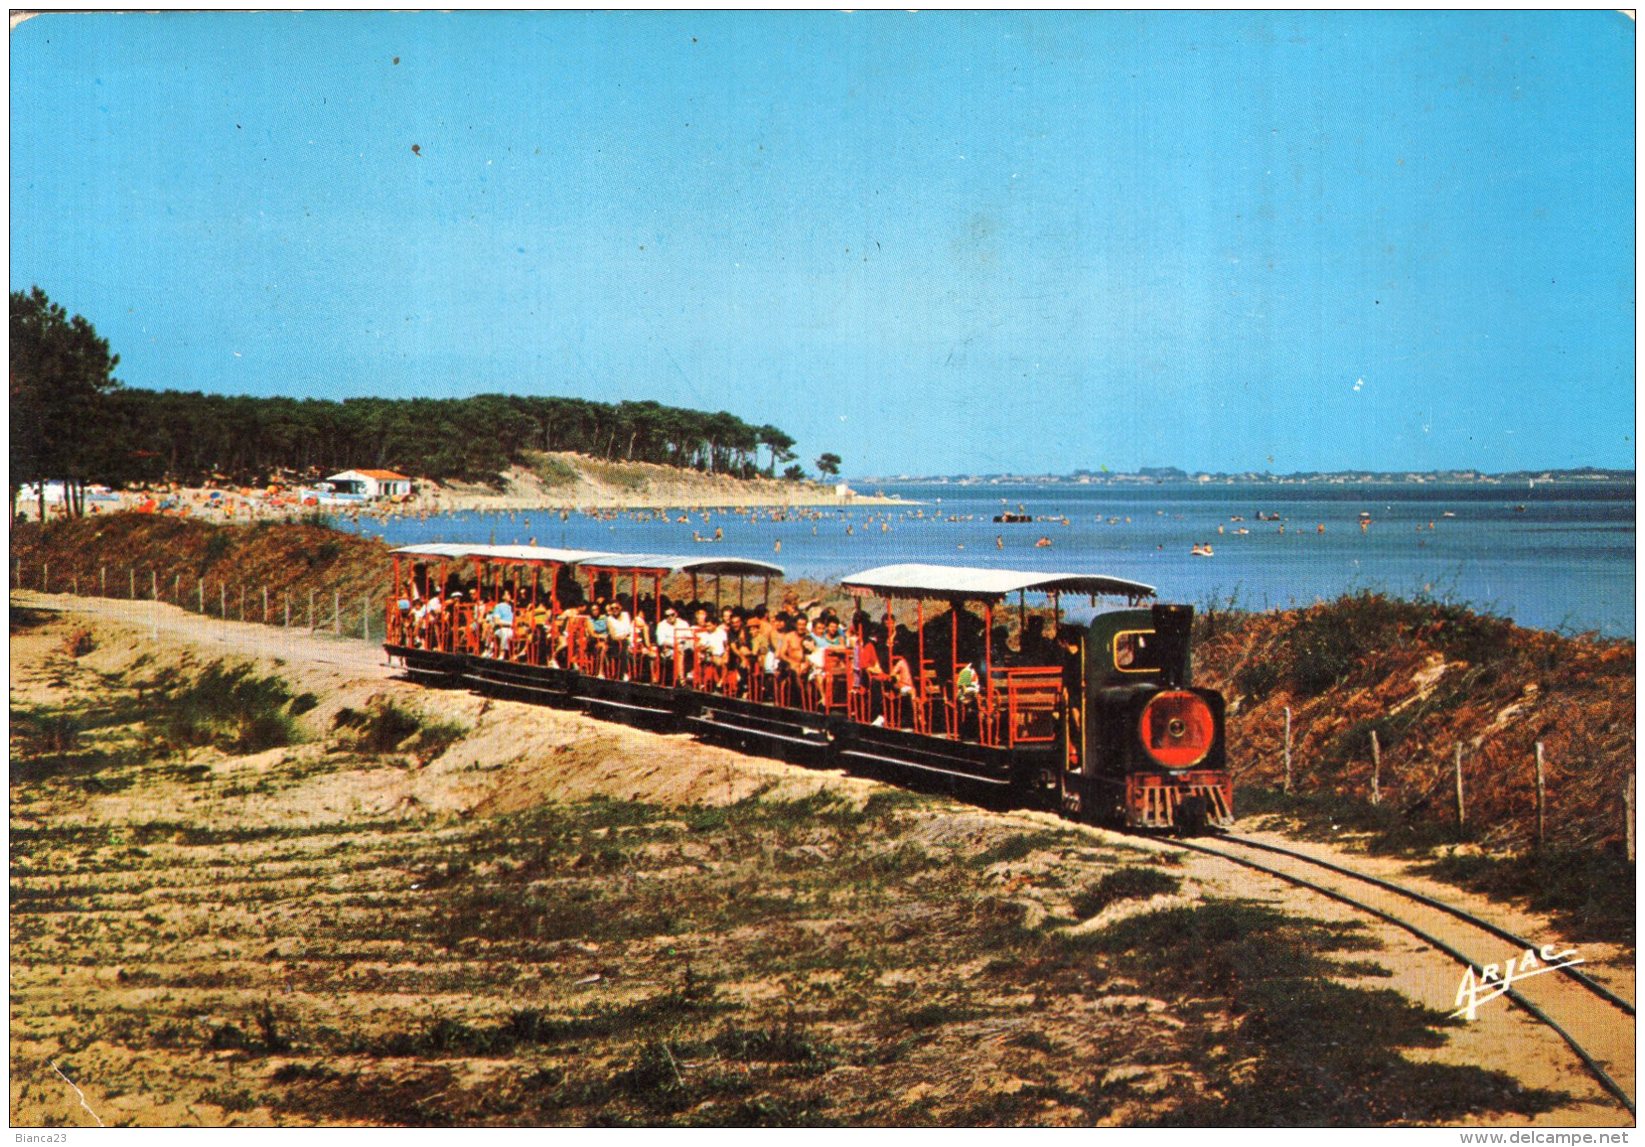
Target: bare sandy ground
[[514, 757]]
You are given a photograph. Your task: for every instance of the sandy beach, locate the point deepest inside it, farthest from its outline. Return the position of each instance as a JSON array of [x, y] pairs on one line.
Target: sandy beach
[[587, 484]]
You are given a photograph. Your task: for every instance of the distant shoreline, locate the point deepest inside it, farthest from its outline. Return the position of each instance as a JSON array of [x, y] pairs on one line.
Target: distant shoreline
[[1169, 476]]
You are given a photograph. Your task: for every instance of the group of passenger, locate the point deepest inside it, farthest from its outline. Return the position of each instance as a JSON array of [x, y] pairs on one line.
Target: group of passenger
[[802, 654]]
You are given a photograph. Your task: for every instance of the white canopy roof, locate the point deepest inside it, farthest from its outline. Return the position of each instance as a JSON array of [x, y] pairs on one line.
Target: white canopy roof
[[451, 550], [973, 583], [675, 563], [657, 563]]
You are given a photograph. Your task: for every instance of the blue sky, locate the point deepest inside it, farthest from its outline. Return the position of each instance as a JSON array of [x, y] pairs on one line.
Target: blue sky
[[937, 242]]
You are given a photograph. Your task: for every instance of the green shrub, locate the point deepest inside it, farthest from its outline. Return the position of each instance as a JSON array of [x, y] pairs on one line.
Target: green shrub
[[1257, 678], [1019, 846], [1128, 883], [435, 738], [218, 544], [382, 728], [789, 1043], [552, 471], [231, 707], [1332, 640], [1354, 742]]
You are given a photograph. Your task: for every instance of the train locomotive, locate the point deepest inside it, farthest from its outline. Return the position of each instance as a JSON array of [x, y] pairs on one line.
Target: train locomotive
[[1099, 720]]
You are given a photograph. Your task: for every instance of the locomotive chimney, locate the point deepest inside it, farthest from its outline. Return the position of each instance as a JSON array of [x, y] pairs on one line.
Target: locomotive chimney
[[1171, 628]]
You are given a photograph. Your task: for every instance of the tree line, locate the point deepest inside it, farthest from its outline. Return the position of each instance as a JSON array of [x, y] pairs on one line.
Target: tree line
[[72, 421]]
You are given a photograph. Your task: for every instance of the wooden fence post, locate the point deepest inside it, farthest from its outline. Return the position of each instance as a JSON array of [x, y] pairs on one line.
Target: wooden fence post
[[1541, 799], [288, 612], [1628, 806], [1462, 815], [265, 605], [177, 587], [74, 585], [242, 603], [365, 618], [200, 586], [45, 577], [1287, 748], [222, 600], [131, 587], [103, 580], [1376, 769], [154, 584], [337, 612]]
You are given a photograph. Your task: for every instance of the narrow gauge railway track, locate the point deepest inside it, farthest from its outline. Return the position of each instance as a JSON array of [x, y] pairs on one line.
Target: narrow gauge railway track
[[1536, 1011]]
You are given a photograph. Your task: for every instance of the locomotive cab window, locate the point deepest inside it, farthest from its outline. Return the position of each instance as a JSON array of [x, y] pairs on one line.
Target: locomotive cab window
[[1136, 651]]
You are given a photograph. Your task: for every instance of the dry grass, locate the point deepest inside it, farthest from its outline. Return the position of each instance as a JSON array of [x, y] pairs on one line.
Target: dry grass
[[249, 940]]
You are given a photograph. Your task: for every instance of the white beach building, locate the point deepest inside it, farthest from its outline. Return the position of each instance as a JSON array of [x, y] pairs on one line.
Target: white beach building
[[371, 483]]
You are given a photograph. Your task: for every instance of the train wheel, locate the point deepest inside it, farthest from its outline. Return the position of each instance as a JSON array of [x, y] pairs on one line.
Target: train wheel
[[1068, 798]]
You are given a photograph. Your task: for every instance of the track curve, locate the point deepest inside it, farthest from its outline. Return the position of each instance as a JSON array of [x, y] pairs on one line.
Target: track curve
[[1571, 1016], [1582, 978]]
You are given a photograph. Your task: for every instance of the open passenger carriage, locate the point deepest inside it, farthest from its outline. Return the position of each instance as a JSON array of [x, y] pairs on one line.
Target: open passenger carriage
[[1098, 720]]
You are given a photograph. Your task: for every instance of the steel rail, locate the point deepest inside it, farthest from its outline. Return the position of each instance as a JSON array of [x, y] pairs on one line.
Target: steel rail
[[1483, 925], [1605, 1081]]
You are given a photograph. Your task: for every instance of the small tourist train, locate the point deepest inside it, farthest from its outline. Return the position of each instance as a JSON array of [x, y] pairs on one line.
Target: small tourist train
[[1099, 720]]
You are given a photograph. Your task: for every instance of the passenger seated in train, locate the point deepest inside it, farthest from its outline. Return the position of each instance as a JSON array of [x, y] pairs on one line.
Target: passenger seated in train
[[709, 638], [645, 653], [739, 653], [572, 638], [502, 626], [968, 701], [619, 634], [791, 657], [599, 632], [426, 621], [541, 615], [901, 678], [480, 623], [667, 629]]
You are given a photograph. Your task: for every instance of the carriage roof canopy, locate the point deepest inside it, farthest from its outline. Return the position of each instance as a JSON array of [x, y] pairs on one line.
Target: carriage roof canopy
[[597, 559], [970, 583], [674, 563], [451, 550]]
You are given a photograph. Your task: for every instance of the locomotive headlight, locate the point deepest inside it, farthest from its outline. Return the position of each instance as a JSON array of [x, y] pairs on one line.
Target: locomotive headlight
[[1177, 728]]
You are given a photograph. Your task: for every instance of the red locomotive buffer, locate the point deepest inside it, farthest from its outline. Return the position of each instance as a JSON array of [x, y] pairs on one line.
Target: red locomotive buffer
[[1099, 720]]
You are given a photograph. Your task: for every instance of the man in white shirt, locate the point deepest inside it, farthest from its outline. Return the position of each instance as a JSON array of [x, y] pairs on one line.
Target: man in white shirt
[[710, 640], [425, 618], [666, 631], [620, 631]]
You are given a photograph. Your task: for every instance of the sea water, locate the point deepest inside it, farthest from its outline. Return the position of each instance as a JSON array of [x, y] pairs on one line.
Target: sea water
[[1552, 556]]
